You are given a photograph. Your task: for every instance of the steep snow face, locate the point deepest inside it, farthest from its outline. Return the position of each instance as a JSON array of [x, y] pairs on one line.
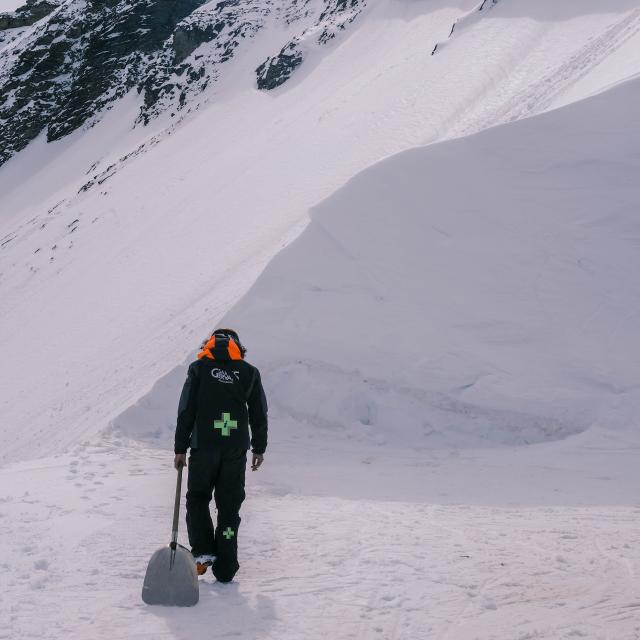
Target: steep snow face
[[446, 288], [121, 247], [478, 292]]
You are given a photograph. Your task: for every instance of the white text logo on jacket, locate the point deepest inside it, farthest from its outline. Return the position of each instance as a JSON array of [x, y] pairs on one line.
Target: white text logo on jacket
[[222, 376]]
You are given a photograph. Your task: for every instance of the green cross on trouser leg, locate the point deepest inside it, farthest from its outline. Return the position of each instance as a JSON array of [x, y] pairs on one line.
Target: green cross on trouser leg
[[228, 533], [225, 424]]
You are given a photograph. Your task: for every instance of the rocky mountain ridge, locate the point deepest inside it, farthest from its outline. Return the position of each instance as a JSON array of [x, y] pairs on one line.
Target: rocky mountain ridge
[[65, 63]]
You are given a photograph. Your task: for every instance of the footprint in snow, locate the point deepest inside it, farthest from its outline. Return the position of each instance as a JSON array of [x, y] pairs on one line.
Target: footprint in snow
[[490, 606], [41, 565], [38, 583]]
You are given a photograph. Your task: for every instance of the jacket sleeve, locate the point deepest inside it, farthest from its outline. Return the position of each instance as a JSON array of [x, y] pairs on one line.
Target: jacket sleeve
[[257, 405], [187, 410]]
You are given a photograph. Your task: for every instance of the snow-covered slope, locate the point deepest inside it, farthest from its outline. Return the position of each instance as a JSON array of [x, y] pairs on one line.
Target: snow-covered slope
[[364, 523], [477, 293], [498, 271], [112, 241], [444, 307]]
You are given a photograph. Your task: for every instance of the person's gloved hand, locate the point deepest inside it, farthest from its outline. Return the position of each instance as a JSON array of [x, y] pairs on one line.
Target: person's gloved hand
[[180, 460], [257, 460]]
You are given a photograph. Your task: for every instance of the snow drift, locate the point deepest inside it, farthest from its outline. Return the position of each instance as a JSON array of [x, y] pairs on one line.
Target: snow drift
[[499, 271], [478, 291]]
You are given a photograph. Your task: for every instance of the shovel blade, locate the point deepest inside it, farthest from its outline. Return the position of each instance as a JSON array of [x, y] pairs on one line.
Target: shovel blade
[[170, 584]]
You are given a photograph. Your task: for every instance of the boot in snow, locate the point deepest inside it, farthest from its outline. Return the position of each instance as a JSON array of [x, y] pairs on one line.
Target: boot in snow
[[202, 562]]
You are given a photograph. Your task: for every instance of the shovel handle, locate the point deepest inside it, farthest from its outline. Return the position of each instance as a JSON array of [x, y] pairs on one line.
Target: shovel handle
[[176, 509]]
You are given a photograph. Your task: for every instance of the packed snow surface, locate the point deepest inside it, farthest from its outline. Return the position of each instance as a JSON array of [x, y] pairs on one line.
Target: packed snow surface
[[78, 533], [449, 346]]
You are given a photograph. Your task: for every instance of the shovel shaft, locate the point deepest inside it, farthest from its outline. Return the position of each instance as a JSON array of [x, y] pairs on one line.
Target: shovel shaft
[[176, 510]]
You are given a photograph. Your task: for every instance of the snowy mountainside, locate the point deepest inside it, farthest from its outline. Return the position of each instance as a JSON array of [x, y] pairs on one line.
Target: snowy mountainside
[[396, 335], [420, 274], [114, 239], [444, 306], [86, 55], [424, 307], [62, 64]]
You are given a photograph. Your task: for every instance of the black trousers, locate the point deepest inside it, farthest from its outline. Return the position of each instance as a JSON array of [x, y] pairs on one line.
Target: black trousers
[[218, 474]]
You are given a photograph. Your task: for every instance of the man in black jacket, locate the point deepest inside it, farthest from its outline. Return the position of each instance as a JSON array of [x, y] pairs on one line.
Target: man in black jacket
[[221, 398]]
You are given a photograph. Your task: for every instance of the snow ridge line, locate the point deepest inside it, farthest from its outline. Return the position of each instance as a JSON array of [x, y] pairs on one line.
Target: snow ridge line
[[469, 18]]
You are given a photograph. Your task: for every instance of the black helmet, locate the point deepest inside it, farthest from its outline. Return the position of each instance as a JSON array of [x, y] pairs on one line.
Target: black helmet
[[230, 333]]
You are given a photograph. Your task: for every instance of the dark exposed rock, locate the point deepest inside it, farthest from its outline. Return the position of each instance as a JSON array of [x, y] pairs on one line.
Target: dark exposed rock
[[277, 70], [188, 37], [85, 56], [176, 74], [28, 14], [335, 17]]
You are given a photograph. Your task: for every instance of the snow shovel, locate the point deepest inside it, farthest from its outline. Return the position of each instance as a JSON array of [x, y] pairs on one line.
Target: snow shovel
[[171, 577]]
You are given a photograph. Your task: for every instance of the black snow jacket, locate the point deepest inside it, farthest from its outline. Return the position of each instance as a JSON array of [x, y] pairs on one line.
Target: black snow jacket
[[221, 397]]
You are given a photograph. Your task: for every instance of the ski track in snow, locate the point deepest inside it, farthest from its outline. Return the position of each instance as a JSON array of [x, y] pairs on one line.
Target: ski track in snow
[[311, 566], [538, 96]]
